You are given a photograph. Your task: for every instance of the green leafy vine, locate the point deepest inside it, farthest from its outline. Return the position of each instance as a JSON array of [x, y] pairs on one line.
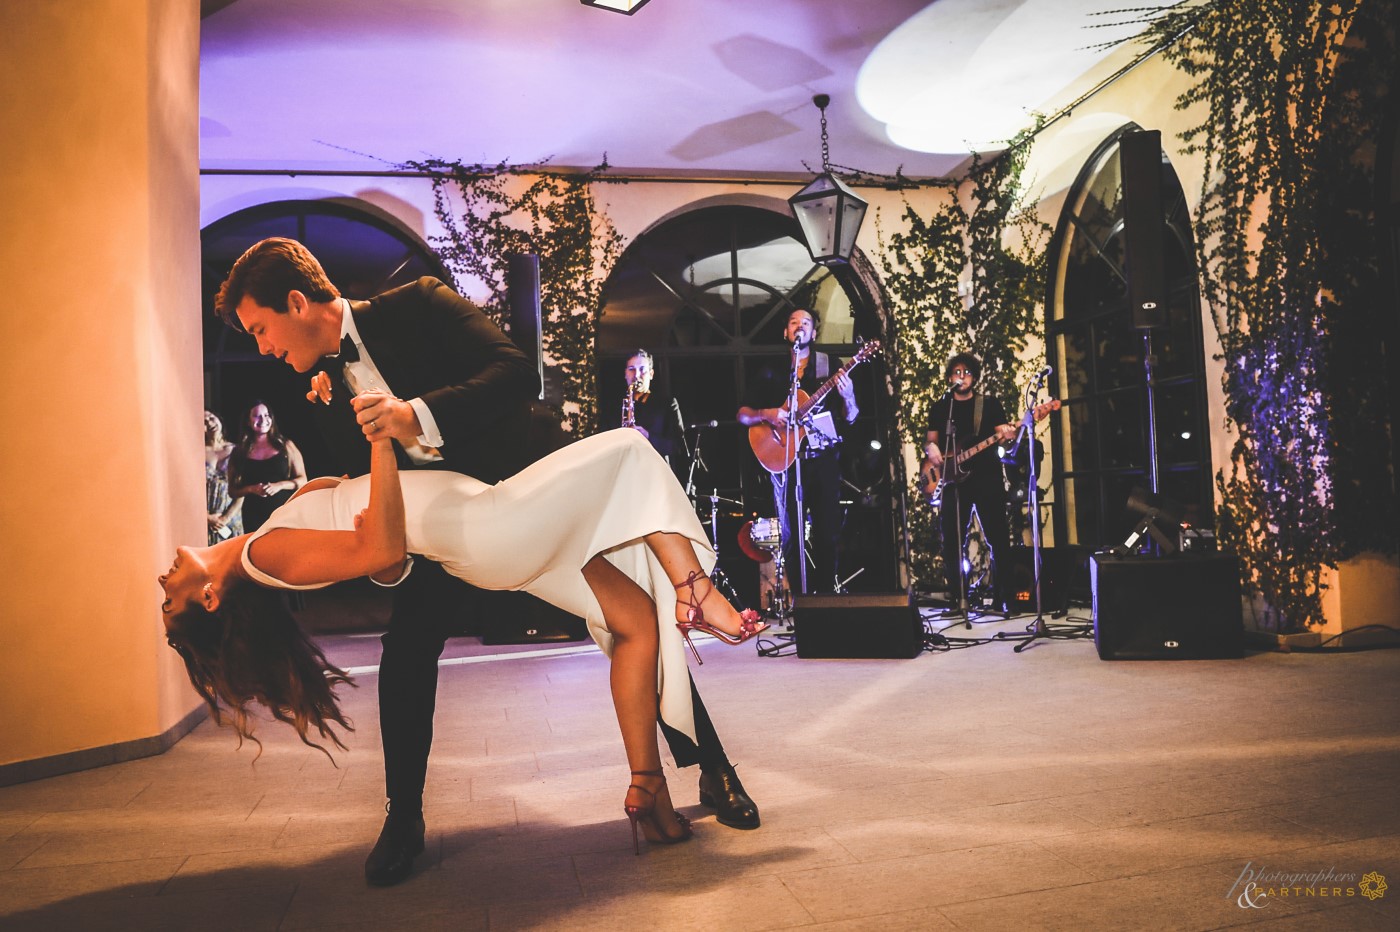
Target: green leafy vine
[[492, 212], [984, 235], [1288, 272]]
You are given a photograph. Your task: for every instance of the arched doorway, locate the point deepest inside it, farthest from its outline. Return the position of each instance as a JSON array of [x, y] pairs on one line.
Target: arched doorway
[[708, 293], [1100, 436], [362, 251]]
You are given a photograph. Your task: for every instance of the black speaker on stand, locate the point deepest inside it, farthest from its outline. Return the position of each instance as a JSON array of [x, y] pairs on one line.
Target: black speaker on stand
[[518, 617], [1144, 231], [526, 318]]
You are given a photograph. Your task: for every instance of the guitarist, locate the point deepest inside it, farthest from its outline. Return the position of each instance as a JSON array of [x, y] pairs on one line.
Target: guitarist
[[974, 417], [821, 468]]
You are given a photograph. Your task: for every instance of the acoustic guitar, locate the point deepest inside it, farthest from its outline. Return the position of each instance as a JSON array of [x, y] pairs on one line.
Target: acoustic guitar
[[776, 449], [934, 481]]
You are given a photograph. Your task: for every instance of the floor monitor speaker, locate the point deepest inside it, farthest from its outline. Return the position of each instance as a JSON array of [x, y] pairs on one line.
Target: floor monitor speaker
[[1164, 608], [861, 625], [512, 617]]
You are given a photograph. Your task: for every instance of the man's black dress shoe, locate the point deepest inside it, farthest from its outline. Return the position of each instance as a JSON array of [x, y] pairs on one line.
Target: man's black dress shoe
[[721, 791], [391, 859]]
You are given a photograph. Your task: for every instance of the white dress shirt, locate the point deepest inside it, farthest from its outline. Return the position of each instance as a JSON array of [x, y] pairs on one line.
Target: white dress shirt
[[364, 375]]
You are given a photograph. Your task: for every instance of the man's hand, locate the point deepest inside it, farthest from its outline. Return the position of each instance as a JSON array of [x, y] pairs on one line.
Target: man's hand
[[1005, 432], [847, 390], [846, 387], [382, 416], [320, 389]]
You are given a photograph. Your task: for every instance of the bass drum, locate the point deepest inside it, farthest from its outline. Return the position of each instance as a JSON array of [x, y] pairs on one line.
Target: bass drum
[[760, 538], [766, 533]]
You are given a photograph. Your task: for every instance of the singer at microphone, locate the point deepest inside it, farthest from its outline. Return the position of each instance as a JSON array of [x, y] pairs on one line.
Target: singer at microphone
[[813, 455]]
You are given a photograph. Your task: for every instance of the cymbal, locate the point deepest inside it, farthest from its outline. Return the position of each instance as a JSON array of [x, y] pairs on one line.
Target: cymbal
[[721, 512]]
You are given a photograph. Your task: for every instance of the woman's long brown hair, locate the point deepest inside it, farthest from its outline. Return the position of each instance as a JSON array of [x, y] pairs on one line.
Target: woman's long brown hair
[[251, 649]]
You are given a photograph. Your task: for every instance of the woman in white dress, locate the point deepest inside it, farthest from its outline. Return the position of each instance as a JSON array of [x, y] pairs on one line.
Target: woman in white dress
[[600, 528]]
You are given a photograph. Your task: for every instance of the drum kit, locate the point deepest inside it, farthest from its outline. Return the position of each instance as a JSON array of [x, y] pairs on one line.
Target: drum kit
[[759, 539]]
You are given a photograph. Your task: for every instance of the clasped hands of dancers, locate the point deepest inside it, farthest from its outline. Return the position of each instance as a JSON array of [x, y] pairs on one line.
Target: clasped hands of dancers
[[624, 547]]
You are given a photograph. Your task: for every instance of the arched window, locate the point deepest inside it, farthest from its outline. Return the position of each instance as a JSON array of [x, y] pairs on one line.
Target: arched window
[[708, 294], [362, 251], [1100, 435]]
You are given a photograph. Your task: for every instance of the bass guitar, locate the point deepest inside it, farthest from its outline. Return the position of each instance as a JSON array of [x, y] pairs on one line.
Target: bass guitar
[[935, 481], [775, 448]]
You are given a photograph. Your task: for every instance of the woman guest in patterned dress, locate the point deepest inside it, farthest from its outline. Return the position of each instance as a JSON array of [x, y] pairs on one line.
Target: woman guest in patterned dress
[[225, 513]]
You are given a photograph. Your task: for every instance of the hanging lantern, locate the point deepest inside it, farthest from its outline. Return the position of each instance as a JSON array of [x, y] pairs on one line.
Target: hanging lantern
[[827, 210]]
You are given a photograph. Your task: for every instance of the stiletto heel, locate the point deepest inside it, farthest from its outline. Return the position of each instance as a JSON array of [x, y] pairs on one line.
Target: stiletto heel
[[750, 621], [642, 816]]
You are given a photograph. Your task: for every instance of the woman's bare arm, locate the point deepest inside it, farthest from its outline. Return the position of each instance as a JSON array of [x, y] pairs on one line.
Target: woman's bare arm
[[376, 547], [296, 466]]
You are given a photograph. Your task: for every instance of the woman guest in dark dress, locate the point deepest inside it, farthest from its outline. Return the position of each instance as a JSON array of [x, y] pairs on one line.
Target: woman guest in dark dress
[[266, 467]]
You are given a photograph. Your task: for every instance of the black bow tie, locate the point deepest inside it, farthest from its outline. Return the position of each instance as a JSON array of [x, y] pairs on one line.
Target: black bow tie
[[349, 352]]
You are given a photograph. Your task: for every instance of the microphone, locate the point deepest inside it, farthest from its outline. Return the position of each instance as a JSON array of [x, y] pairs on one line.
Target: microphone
[[1045, 373], [680, 419], [697, 424]]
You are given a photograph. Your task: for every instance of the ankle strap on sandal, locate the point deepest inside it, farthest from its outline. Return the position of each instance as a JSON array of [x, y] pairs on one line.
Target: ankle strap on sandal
[[694, 577]]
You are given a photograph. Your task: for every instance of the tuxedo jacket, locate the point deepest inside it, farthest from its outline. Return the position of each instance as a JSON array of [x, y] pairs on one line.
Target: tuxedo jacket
[[430, 343]]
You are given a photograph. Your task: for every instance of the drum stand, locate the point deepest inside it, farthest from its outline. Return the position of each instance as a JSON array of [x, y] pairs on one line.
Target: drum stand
[[717, 576], [775, 643]]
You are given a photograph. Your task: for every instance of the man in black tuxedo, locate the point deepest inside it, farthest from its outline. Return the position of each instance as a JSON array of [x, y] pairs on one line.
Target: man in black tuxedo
[[468, 409]]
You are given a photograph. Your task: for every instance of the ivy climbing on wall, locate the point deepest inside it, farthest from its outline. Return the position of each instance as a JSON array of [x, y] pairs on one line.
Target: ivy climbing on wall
[[492, 212], [985, 242], [1291, 96]]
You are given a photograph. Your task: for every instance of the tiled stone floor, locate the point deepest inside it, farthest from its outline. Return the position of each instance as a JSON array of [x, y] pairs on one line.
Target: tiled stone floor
[[974, 789]]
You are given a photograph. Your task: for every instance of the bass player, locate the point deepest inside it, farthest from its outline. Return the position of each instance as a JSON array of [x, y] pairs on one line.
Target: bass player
[[980, 484]]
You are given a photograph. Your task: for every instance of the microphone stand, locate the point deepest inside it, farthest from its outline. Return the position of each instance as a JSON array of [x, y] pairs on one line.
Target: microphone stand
[[793, 439], [680, 422], [950, 447], [695, 460], [1037, 629]]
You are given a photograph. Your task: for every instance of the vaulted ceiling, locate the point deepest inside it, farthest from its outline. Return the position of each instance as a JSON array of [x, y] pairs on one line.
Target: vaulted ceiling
[[692, 88]]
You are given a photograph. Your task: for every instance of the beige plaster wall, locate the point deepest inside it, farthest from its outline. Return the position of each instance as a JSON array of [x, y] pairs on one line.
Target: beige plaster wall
[[634, 208], [100, 474]]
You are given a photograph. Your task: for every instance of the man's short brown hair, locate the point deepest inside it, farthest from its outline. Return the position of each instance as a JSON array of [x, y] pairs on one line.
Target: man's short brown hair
[[268, 272]]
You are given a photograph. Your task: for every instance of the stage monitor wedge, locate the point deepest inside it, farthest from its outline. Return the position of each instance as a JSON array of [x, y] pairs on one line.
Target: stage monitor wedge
[[859, 626], [1144, 229], [1182, 607]]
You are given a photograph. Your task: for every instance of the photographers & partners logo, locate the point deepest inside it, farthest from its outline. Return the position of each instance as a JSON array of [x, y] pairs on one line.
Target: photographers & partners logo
[[1256, 887]]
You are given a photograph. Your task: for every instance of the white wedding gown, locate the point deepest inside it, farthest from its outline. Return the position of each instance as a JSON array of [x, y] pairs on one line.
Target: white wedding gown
[[536, 530]]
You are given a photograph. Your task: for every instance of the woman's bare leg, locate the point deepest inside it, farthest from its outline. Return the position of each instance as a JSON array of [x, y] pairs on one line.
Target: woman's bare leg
[[677, 557], [630, 615]]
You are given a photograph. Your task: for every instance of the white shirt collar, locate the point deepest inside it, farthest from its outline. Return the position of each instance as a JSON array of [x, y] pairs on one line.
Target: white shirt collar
[[347, 324]]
